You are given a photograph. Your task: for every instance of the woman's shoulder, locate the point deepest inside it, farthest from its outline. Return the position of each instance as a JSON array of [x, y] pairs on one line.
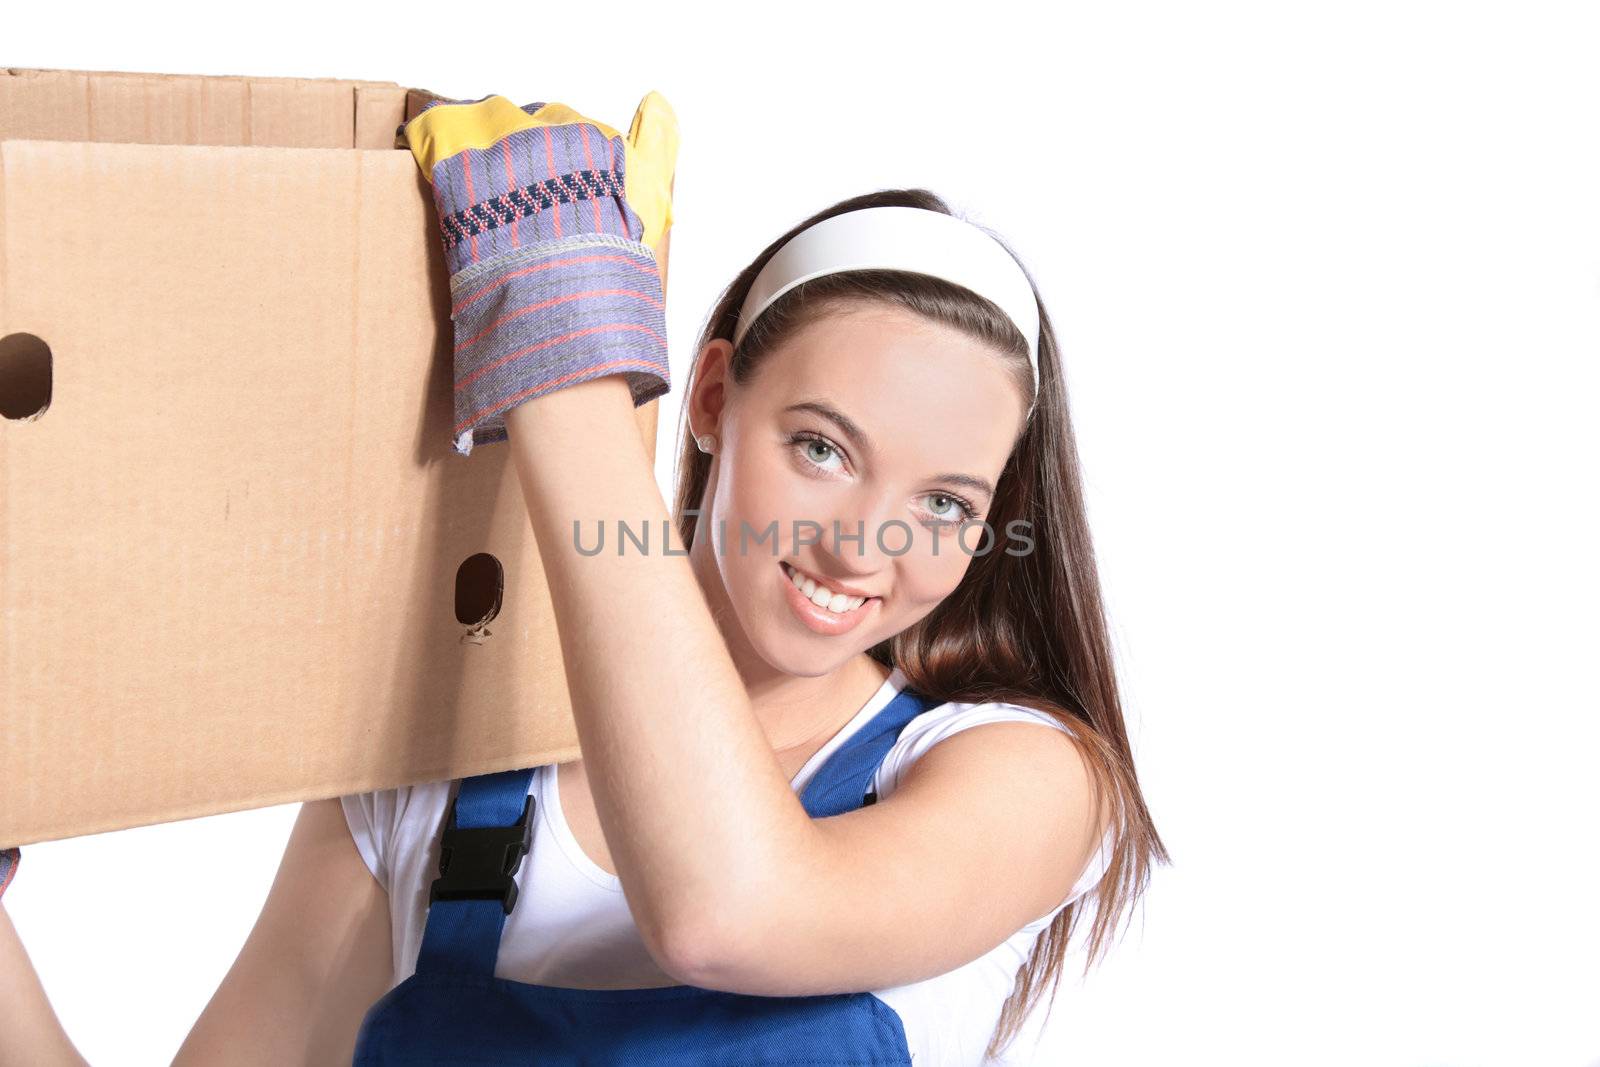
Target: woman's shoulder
[[945, 720], [951, 717], [964, 712]]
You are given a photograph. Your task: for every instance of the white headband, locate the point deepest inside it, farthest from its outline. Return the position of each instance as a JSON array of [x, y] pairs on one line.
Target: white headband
[[901, 238]]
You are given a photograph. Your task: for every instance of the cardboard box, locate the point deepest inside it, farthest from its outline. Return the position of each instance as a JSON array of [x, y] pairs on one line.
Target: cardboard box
[[239, 563]]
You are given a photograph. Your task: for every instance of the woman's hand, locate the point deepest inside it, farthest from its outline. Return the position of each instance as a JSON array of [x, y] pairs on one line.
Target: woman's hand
[[550, 223]]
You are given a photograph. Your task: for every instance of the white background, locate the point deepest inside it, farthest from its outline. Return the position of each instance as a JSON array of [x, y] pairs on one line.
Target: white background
[[1327, 278]]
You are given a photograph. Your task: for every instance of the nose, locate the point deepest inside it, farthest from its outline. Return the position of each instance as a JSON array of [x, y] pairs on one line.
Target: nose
[[849, 548]]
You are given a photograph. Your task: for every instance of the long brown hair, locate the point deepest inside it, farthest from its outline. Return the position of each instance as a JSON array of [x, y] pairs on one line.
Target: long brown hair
[[1027, 629]]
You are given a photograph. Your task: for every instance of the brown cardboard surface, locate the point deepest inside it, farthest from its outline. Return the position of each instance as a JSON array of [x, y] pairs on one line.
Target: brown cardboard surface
[[230, 545]]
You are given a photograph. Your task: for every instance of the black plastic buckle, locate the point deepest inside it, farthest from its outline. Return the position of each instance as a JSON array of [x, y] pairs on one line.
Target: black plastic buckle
[[477, 862]]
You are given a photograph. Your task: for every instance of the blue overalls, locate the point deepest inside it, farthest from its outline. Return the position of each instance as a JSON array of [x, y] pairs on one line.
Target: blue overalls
[[453, 1010]]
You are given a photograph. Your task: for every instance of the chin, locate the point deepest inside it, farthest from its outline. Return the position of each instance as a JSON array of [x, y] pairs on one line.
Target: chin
[[793, 654], [788, 647]]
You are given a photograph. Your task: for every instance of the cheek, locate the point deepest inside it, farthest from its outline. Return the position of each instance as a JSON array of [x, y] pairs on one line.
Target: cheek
[[756, 499], [762, 491], [923, 580]]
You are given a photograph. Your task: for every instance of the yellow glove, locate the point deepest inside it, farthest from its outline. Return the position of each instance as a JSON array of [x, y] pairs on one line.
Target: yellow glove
[[650, 150], [551, 222]]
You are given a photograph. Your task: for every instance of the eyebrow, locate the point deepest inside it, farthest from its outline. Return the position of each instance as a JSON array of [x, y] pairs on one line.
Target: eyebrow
[[859, 438], [979, 485]]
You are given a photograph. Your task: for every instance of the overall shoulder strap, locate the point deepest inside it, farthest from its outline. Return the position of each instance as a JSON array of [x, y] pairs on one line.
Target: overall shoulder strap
[[841, 782], [487, 830]]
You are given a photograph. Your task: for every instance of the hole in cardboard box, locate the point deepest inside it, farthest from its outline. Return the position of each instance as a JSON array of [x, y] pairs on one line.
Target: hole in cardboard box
[[25, 376], [479, 585]]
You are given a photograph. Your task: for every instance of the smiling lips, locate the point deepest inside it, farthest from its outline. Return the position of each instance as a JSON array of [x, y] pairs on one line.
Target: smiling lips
[[820, 595], [821, 609]]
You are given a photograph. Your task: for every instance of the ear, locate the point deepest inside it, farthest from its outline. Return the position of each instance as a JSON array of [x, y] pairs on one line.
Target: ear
[[709, 393]]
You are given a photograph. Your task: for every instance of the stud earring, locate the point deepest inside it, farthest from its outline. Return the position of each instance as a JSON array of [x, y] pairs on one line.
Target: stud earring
[[707, 443]]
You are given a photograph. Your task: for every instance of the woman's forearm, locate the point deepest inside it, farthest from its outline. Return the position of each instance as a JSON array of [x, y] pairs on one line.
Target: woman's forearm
[[31, 1033], [700, 818]]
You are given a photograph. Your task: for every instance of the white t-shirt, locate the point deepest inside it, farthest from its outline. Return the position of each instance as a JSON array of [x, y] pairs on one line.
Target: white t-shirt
[[572, 927]]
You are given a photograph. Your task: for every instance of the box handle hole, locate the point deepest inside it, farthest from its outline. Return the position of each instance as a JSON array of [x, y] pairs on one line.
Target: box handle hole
[[25, 376], [480, 585]]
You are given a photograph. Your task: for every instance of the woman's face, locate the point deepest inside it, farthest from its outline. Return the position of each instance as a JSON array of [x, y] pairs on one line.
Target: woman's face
[[854, 455]]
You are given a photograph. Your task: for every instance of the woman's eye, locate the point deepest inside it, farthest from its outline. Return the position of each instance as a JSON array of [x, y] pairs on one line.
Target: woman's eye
[[818, 452], [950, 509]]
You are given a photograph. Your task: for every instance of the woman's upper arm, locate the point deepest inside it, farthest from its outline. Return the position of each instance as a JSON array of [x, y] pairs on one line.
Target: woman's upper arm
[[316, 960], [985, 833]]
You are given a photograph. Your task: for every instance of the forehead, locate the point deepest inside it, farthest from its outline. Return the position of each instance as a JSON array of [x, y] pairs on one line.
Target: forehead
[[916, 387]]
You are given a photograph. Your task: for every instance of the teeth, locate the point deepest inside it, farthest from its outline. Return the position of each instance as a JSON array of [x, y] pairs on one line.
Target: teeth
[[819, 595]]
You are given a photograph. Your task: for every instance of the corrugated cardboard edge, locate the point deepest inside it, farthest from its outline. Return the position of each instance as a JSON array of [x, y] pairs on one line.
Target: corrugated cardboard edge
[[226, 109]]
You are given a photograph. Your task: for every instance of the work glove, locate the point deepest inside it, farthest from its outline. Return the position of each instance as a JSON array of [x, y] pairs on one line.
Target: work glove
[[550, 223], [9, 858]]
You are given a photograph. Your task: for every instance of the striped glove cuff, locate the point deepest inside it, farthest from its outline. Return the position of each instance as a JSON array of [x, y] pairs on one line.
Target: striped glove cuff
[[551, 283]]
